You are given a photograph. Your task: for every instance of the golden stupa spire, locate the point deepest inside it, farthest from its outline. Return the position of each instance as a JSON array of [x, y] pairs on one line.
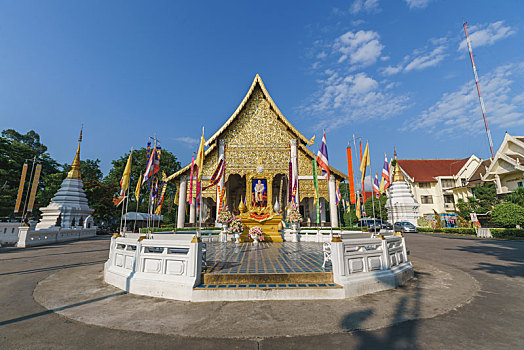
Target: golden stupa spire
[[74, 173], [397, 173]]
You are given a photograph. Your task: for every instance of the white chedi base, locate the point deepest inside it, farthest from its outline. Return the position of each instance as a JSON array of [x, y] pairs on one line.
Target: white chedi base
[[70, 204], [401, 204]]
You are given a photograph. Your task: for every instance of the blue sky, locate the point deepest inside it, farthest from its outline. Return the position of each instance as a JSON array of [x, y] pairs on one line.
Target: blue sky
[[394, 72]]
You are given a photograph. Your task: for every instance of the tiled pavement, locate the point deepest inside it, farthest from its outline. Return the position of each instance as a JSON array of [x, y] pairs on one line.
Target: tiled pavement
[[265, 258]]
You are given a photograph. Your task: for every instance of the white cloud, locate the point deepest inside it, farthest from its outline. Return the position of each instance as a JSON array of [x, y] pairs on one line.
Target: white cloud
[[427, 60], [487, 34], [188, 141], [420, 59], [458, 112], [417, 4], [363, 48], [342, 99], [364, 6]]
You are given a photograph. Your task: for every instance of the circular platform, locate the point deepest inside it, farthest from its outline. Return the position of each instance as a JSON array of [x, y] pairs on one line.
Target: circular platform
[[80, 294]]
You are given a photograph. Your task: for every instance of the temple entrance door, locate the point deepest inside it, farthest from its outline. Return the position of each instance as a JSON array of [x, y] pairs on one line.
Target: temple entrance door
[[236, 190]]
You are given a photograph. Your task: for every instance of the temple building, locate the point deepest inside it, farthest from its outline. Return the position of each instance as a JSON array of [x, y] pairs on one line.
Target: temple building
[[259, 146]]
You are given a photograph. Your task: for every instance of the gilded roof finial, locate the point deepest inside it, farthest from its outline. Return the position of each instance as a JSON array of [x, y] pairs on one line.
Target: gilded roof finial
[[74, 173], [397, 173]]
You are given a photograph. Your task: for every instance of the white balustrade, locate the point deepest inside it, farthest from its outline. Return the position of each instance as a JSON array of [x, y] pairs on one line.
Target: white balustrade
[[164, 266]]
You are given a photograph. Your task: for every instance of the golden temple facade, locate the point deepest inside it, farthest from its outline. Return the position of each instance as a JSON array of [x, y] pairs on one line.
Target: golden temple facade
[[257, 142]]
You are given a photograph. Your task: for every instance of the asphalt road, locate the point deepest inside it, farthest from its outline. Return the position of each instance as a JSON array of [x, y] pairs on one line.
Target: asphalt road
[[493, 319]]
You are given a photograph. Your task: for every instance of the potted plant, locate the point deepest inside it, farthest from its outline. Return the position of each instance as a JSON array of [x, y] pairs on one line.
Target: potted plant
[[236, 227], [224, 217], [294, 217], [256, 234]]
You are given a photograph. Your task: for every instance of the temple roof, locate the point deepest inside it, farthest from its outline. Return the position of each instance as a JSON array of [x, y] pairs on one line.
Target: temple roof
[[257, 81], [426, 170], [302, 140]]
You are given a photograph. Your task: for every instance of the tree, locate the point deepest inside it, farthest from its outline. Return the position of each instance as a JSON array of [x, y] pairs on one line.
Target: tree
[[507, 214], [516, 197], [168, 164], [15, 149], [485, 197], [380, 207]]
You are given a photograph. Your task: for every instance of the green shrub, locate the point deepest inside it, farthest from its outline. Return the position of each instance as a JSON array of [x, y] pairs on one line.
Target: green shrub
[[350, 228], [507, 214], [459, 230], [506, 232]]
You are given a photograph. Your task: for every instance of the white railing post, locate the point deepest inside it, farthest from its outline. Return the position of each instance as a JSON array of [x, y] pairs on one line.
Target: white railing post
[[385, 254], [337, 260]]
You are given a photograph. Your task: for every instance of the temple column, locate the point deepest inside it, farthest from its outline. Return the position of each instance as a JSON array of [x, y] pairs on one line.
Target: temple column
[[332, 201], [221, 152], [182, 202], [294, 167], [498, 184]]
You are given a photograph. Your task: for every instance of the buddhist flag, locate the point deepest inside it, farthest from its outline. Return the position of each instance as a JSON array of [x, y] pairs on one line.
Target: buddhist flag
[[337, 196], [124, 181], [384, 182], [365, 162], [34, 186], [150, 166], [200, 157], [138, 186], [21, 188], [376, 186], [322, 156]]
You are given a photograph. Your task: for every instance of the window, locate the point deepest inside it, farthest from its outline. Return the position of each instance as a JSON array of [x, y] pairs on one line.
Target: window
[[425, 185], [448, 183], [426, 199], [448, 198]]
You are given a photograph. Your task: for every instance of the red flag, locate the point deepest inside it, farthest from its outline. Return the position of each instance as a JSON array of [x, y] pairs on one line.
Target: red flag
[[350, 175]]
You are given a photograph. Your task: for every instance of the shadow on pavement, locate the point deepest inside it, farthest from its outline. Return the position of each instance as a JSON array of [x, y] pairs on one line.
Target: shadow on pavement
[[66, 253], [510, 254], [51, 268], [42, 313], [397, 336]]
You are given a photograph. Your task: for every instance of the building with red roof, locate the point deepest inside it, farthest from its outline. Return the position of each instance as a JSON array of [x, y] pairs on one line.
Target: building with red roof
[[437, 184]]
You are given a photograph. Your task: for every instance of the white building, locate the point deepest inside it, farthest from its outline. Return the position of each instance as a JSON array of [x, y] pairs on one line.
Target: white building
[[507, 168], [437, 184]]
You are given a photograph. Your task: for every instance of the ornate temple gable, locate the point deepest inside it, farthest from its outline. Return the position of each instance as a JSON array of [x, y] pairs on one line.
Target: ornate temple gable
[[257, 134], [256, 88]]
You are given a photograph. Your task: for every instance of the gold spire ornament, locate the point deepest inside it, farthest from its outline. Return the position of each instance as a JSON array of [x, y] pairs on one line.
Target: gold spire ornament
[[74, 173], [241, 206], [397, 173]]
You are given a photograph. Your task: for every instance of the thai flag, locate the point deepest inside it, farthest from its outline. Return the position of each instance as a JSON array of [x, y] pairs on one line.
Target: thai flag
[[376, 186], [322, 156], [338, 196], [153, 165], [385, 172]]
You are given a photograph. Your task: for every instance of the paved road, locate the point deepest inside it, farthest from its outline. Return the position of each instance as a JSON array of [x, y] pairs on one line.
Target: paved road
[[494, 319]]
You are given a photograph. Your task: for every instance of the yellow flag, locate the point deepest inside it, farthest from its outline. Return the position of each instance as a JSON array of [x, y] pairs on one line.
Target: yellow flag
[[358, 209], [177, 195], [124, 182], [365, 162], [137, 189], [382, 184], [200, 157]]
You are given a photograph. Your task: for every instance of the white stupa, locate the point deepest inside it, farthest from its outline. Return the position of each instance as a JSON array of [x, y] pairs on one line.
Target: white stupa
[[69, 207], [401, 204]]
